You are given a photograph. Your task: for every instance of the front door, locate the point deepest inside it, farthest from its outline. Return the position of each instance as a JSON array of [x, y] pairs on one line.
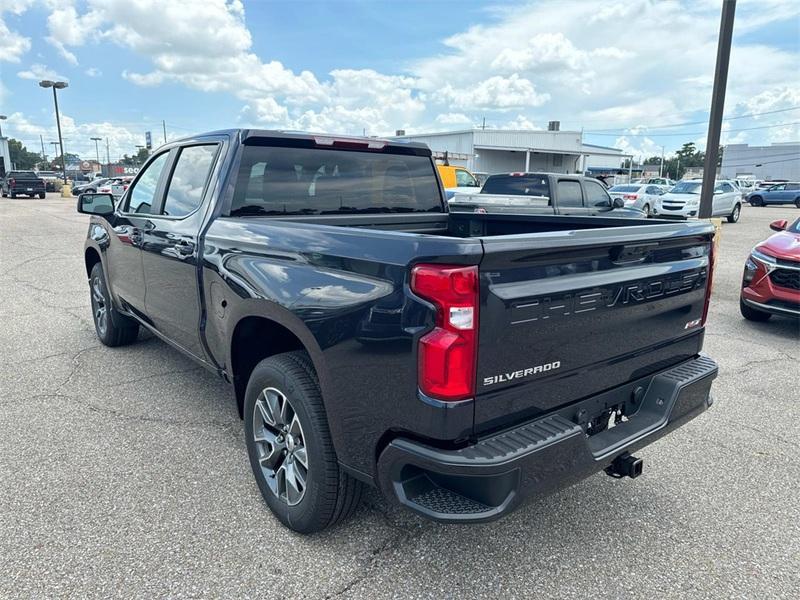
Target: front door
[[596, 198], [170, 248], [124, 255]]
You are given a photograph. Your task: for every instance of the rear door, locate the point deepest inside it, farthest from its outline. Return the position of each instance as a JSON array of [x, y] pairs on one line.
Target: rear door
[[566, 315], [170, 248], [569, 197]]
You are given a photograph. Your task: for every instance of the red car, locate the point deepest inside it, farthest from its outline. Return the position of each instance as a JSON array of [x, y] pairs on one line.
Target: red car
[[771, 281]]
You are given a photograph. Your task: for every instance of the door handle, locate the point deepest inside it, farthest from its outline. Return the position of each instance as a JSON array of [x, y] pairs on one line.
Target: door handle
[[184, 248]]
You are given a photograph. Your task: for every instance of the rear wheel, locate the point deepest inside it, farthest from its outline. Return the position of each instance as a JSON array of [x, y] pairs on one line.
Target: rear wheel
[[42, 195], [112, 327], [290, 447], [734, 216], [13, 196], [797, 202], [752, 314], [756, 201]]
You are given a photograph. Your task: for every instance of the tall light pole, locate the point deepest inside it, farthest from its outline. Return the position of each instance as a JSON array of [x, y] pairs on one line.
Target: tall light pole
[[2, 118], [661, 168], [57, 85], [97, 149]]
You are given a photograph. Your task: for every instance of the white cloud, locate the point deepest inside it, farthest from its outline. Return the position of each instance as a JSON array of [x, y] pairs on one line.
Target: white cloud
[[496, 92], [38, 71], [93, 72], [453, 119], [12, 44]]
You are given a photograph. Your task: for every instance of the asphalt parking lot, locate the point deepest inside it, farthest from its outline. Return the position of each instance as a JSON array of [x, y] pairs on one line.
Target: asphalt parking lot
[[123, 472]]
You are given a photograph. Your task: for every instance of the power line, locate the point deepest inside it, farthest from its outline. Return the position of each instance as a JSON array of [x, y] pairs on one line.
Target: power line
[[758, 162], [747, 116], [688, 133]]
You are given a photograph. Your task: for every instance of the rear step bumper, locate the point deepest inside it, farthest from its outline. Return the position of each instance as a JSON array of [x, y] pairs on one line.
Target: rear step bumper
[[492, 477]]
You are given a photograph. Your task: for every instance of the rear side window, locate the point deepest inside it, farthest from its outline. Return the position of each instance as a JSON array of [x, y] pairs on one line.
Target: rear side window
[[517, 185], [142, 196], [793, 186], [311, 181], [569, 193], [595, 194], [185, 191]]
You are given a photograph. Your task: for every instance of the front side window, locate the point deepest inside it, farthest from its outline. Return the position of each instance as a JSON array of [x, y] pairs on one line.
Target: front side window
[[185, 187], [727, 187], [569, 193], [596, 195], [777, 188], [465, 179], [142, 196], [316, 181]]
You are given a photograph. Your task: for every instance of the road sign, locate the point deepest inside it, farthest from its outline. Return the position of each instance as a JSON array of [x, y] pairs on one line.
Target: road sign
[[148, 140]]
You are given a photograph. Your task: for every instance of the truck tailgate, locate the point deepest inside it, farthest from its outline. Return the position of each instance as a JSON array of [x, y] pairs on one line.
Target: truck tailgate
[[566, 315]]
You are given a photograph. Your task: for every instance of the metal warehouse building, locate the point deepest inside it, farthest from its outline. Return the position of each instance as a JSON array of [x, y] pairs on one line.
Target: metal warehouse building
[[778, 161], [505, 150]]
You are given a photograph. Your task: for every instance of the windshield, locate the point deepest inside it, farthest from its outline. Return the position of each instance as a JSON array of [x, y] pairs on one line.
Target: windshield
[[687, 187], [794, 227], [624, 188], [517, 185], [318, 181]]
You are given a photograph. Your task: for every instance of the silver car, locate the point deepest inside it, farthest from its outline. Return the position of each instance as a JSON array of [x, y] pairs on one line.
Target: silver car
[[683, 201], [637, 195]]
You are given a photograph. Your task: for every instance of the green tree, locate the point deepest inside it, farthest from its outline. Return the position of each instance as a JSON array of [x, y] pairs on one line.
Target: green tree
[[21, 157]]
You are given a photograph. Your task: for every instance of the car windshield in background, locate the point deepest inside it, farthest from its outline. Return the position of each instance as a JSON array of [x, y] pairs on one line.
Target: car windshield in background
[[517, 185], [311, 181], [625, 188], [687, 187]]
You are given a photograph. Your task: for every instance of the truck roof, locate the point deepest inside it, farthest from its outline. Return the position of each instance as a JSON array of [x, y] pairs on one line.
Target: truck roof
[[323, 139]]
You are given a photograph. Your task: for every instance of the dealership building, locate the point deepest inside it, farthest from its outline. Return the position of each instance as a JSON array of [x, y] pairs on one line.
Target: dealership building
[[777, 161], [506, 150]]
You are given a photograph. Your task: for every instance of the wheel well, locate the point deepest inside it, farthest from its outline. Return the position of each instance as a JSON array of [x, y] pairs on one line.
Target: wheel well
[[91, 257], [254, 339]]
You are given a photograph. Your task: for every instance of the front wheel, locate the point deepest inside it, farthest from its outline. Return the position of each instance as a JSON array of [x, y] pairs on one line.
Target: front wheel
[[734, 216], [42, 195], [752, 314], [112, 327], [290, 448]]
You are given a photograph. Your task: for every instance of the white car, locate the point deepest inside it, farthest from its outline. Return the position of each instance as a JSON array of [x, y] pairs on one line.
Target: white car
[[683, 201], [637, 195]]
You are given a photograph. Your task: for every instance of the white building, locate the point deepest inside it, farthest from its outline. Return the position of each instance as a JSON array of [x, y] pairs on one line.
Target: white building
[[506, 150], [778, 161]]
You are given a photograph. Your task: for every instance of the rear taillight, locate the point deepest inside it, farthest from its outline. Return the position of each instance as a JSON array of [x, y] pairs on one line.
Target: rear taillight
[[11, 182], [630, 197], [709, 280], [447, 354]]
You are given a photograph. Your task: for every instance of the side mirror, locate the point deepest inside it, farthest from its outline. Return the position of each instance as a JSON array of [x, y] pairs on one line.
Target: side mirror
[[779, 225], [617, 203], [96, 204]]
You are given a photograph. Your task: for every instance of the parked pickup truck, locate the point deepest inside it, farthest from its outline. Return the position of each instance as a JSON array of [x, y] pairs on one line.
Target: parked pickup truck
[[23, 183], [460, 362], [542, 194]]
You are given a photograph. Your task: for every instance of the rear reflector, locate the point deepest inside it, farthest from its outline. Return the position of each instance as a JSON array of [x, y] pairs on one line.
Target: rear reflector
[[448, 353]]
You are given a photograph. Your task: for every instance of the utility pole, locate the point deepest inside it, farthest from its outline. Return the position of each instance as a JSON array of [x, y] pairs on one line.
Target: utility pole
[[96, 148], [41, 141], [661, 167], [717, 107], [164, 126], [483, 126], [108, 158]]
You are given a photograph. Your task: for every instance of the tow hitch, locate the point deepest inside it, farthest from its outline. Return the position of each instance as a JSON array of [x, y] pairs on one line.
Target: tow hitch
[[625, 465]]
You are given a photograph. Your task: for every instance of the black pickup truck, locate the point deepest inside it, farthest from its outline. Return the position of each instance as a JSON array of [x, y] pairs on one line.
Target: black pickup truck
[[23, 183], [459, 362]]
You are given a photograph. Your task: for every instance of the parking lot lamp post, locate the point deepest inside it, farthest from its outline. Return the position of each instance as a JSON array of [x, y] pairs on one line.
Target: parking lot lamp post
[[2, 118], [661, 167], [57, 85]]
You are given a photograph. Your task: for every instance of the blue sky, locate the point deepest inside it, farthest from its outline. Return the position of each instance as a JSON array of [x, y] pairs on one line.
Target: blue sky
[[621, 71]]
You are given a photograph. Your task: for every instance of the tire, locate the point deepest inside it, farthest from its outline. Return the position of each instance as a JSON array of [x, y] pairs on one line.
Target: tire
[[756, 201], [5, 194], [646, 209], [112, 327], [13, 196], [734, 216], [752, 314], [42, 195], [797, 202], [328, 494]]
